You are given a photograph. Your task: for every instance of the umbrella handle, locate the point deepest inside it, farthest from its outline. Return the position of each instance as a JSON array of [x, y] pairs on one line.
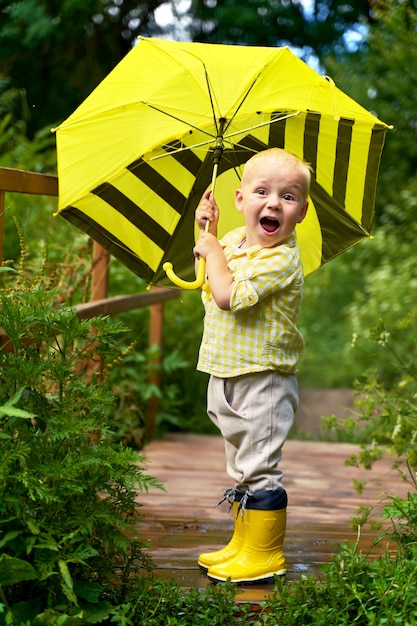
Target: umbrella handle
[[201, 269], [184, 284]]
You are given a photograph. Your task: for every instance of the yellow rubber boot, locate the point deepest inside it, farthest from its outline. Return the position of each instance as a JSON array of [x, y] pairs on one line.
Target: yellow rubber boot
[[209, 559], [261, 557]]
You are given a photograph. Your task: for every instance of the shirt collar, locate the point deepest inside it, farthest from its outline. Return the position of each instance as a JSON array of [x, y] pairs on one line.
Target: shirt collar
[[239, 235]]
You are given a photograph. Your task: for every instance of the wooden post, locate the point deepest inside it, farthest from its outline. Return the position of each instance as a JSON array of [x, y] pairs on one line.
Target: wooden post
[[100, 277], [99, 291], [155, 338], [1, 225]]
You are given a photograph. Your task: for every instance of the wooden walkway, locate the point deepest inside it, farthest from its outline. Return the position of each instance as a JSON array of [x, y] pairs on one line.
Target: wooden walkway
[[183, 522]]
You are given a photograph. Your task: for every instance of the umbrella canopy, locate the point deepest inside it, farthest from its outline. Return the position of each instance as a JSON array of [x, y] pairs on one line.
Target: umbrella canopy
[[136, 156]]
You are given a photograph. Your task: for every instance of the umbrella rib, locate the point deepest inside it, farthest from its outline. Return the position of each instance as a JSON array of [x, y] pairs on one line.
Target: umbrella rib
[[182, 149], [228, 135], [261, 124], [179, 119], [245, 96], [211, 94]]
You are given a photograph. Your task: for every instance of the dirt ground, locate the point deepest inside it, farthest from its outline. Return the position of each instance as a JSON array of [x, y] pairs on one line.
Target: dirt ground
[[316, 403]]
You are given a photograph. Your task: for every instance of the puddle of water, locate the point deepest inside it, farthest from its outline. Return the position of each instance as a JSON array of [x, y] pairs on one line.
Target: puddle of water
[[300, 567]]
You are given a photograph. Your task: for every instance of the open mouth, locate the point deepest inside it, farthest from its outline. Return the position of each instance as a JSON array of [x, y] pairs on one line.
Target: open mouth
[[270, 225]]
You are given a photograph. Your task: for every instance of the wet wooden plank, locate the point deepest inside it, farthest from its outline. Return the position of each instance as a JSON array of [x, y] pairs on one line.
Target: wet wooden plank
[[184, 521]]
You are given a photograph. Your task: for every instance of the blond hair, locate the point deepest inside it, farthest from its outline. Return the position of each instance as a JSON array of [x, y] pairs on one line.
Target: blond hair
[[285, 158]]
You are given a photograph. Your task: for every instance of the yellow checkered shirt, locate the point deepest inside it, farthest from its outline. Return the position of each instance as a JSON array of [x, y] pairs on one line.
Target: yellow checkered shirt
[[259, 332]]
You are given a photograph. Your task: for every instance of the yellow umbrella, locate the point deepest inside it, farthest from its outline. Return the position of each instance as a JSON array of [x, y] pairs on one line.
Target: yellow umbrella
[[136, 156]]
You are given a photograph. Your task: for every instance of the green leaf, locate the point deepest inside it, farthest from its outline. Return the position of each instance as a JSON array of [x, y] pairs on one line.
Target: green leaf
[[97, 613], [50, 617], [88, 591], [25, 611], [14, 570], [33, 526], [9, 410], [9, 536], [8, 269], [68, 586]]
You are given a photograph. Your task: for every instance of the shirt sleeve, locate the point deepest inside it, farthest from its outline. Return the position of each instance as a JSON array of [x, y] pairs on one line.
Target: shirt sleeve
[[270, 271]]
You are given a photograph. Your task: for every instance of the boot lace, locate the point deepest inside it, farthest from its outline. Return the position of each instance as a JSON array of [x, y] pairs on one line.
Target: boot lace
[[229, 495], [242, 504]]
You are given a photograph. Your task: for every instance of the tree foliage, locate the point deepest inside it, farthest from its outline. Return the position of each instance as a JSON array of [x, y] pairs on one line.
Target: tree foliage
[[319, 26], [56, 52], [381, 76], [59, 50]]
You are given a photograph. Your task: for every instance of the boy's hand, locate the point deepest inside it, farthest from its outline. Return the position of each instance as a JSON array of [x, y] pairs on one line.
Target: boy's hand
[[219, 276], [208, 247], [207, 244], [207, 210]]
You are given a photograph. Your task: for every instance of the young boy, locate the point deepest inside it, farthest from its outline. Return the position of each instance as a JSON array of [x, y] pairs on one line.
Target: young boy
[[250, 348]]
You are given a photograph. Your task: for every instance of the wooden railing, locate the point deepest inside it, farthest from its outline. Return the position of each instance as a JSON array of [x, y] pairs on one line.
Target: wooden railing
[[19, 181]]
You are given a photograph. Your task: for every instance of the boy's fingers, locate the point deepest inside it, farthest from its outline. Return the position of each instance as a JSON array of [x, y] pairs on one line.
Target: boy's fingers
[[206, 214]]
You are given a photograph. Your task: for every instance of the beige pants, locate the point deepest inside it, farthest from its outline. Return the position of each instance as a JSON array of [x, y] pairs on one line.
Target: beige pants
[[254, 413]]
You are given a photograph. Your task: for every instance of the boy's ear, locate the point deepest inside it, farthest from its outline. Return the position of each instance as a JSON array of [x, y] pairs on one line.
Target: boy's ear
[[303, 213], [238, 200]]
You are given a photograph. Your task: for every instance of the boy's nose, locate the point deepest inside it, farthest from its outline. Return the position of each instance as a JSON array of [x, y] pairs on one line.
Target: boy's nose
[[274, 201]]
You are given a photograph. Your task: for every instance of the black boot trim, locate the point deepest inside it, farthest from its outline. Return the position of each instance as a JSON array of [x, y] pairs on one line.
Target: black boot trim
[[264, 500]]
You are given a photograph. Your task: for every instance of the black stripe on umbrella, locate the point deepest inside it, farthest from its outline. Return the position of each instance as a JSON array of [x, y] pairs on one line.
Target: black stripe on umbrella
[[148, 175], [336, 225], [246, 148], [341, 166], [133, 213], [311, 134], [186, 157], [277, 131], [374, 158], [108, 240]]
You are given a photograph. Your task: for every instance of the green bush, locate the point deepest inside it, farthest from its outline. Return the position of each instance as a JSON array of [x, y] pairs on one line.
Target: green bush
[[164, 603], [385, 399], [354, 589], [67, 495]]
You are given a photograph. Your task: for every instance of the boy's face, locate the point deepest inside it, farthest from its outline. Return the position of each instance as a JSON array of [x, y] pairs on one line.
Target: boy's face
[[272, 199]]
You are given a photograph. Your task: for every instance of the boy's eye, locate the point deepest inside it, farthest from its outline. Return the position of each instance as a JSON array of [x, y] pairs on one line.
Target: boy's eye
[[261, 192], [288, 196]]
